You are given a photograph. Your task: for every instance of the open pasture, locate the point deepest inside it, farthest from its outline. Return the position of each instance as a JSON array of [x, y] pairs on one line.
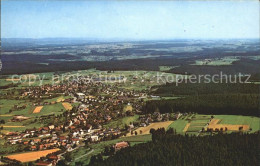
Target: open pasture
[[122, 122], [178, 125], [228, 127], [12, 126], [166, 68], [146, 130], [217, 61], [253, 122], [7, 115], [52, 109]]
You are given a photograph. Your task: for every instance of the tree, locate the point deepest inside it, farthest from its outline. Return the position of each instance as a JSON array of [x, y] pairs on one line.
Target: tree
[[79, 163], [152, 130], [112, 150], [170, 131], [67, 157], [61, 163], [106, 151]]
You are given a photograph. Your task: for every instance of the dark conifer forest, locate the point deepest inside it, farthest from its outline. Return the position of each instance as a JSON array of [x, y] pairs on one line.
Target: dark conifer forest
[[203, 98], [167, 149]]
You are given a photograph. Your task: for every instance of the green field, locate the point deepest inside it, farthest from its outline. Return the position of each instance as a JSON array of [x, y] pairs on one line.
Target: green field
[[25, 80], [217, 62], [145, 79], [51, 109], [166, 68], [121, 122], [99, 147], [178, 125], [254, 122], [6, 105], [197, 122]]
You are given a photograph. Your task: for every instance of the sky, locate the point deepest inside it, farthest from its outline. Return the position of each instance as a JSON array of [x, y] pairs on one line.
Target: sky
[[129, 19]]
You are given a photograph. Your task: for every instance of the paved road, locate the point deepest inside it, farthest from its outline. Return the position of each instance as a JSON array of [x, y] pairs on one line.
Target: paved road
[[92, 150]]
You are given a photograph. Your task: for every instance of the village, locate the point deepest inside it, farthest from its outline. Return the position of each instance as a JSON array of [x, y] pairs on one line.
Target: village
[[55, 120], [95, 105]]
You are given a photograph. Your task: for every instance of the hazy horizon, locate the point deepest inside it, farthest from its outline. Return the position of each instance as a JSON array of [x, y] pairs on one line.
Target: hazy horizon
[[123, 20]]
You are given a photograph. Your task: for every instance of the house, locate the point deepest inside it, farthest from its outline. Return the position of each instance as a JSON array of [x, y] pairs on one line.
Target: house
[[44, 129], [33, 148], [75, 141], [94, 138], [80, 96], [43, 163], [177, 116], [120, 145], [53, 157], [142, 125], [131, 126], [51, 127], [62, 139], [36, 140]]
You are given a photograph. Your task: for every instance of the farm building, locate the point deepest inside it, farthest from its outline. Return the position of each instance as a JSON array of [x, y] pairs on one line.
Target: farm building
[[121, 145]]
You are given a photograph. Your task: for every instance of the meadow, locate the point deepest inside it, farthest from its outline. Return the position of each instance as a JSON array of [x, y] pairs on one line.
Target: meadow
[[120, 123], [31, 111], [146, 130], [253, 122], [99, 147], [217, 61]]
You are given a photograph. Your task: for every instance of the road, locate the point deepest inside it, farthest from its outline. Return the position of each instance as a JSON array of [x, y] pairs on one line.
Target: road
[[92, 150]]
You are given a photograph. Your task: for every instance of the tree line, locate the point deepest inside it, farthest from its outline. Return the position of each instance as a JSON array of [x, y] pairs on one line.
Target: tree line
[[229, 104], [167, 148], [206, 88]]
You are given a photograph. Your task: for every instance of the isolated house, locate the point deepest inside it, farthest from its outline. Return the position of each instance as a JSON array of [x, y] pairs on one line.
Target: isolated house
[[120, 145], [94, 138]]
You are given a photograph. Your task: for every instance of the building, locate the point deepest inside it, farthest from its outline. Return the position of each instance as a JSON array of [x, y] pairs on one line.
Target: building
[[80, 96], [120, 145]]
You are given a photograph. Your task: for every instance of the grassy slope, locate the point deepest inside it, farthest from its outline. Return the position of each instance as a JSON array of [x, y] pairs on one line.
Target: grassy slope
[[99, 147], [122, 121]]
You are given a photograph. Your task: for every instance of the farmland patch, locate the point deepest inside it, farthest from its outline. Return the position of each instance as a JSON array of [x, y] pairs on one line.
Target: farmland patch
[[31, 156], [37, 109]]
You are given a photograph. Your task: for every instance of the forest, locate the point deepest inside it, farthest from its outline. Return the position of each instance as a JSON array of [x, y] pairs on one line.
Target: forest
[[10, 65], [226, 104], [205, 88], [207, 98], [167, 148]]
